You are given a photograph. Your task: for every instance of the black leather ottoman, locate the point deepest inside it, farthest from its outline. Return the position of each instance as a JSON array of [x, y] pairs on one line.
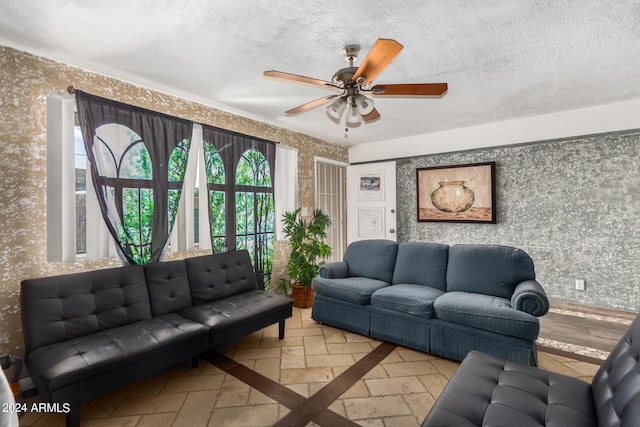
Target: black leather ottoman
[[488, 391]]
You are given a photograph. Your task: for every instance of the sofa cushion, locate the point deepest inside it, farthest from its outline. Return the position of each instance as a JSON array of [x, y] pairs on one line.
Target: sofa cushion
[[236, 309], [422, 264], [487, 269], [59, 308], [486, 312], [412, 299], [353, 289], [488, 391], [373, 259], [169, 290], [212, 277], [78, 359]]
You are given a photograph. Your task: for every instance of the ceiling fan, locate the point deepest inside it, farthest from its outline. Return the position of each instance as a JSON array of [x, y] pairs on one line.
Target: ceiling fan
[[353, 85]]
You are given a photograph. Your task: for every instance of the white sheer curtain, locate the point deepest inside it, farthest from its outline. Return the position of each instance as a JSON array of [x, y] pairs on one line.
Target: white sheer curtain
[[183, 236], [286, 185], [61, 197], [61, 190], [100, 244]]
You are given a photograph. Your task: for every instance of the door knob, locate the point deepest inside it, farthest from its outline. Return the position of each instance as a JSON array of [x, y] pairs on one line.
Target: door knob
[[392, 231]]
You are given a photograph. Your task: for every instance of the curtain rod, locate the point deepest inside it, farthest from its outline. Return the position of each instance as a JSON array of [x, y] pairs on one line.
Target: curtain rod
[[72, 91]]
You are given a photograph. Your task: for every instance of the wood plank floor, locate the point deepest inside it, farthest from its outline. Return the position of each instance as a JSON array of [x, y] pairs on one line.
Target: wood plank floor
[[597, 330]]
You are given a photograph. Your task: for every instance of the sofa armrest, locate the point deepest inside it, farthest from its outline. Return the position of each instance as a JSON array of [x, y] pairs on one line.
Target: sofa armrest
[[334, 270], [530, 298]]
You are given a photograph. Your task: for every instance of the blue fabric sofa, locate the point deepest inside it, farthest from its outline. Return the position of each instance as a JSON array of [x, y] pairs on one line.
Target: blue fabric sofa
[[444, 300]]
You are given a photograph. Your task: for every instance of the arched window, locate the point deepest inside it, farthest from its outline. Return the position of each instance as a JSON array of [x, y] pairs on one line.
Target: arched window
[[240, 190], [177, 168], [216, 190], [255, 222], [125, 174], [138, 160]]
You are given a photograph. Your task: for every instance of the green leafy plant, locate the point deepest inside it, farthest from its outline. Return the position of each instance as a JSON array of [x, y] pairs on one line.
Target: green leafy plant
[[308, 248], [284, 286]]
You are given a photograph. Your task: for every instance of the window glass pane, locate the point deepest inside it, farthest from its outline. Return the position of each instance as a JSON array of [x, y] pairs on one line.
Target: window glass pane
[[111, 144], [141, 253], [79, 151], [218, 226], [114, 219], [213, 164], [248, 243], [146, 214], [80, 157], [173, 200], [265, 213], [245, 219], [136, 163], [178, 161], [253, 169], [219, 245], [138, 213], [131, 208]]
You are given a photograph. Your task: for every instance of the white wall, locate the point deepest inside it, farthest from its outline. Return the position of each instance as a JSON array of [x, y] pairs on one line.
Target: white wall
[[585, 121]]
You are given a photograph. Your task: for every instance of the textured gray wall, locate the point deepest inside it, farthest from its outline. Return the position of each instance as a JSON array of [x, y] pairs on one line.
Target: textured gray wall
[[572, 204]]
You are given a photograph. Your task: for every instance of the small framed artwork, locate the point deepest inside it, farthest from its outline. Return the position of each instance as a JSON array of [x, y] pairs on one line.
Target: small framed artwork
[[370, 188], [371, 222], [462, 193]]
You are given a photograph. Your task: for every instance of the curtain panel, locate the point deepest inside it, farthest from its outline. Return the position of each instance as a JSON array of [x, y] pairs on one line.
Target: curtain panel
[[138, 160], [240, 182]]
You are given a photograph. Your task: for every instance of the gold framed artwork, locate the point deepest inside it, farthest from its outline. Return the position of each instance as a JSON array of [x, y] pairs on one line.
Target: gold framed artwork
[[461, 193]]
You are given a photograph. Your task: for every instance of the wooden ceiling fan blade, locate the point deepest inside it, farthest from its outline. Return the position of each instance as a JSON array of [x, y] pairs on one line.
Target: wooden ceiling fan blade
[[309, 105], [380, 55], [300, 79], [372, 116], [411, 89]]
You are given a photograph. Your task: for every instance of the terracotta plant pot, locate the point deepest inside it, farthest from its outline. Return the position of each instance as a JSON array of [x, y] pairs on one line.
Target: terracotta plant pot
[[302, 295]]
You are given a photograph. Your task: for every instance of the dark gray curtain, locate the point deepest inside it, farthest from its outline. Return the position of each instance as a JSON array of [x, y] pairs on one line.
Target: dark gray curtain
[[161, 135], [231, 146]]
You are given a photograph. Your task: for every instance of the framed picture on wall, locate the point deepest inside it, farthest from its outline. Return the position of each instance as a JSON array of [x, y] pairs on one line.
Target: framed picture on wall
[[461, 193], [371, 188], [371, 222]]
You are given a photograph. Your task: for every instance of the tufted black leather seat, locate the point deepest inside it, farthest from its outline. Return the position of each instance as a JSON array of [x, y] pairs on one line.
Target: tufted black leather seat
[[92, 332], [488, 391]]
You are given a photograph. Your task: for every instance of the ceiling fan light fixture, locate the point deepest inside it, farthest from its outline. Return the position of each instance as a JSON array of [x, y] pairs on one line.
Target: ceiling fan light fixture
[[353, 116], [365, 105], [336, 108]]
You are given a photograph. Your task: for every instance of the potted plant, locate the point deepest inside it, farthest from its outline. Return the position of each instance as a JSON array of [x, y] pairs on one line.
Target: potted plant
[[308, 251]]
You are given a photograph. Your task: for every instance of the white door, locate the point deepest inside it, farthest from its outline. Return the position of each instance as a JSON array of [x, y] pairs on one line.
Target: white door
[[371, 201]]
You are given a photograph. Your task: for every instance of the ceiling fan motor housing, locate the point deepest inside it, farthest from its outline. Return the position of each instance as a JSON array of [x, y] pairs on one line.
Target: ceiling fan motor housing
[[351, 52], [344, 76]]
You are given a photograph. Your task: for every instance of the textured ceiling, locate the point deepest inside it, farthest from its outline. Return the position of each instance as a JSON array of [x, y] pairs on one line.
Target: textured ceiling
[[502, 59]]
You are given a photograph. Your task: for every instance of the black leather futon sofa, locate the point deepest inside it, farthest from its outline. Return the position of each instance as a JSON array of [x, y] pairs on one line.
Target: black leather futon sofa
[[89, 333], [488, 391]]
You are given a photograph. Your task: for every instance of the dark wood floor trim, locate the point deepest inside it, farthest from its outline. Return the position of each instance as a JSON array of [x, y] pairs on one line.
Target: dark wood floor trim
[[304, 410], [265, 385], [314, 409]]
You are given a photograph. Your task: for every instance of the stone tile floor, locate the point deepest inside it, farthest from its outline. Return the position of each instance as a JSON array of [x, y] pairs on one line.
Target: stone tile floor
[[317, 375]]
